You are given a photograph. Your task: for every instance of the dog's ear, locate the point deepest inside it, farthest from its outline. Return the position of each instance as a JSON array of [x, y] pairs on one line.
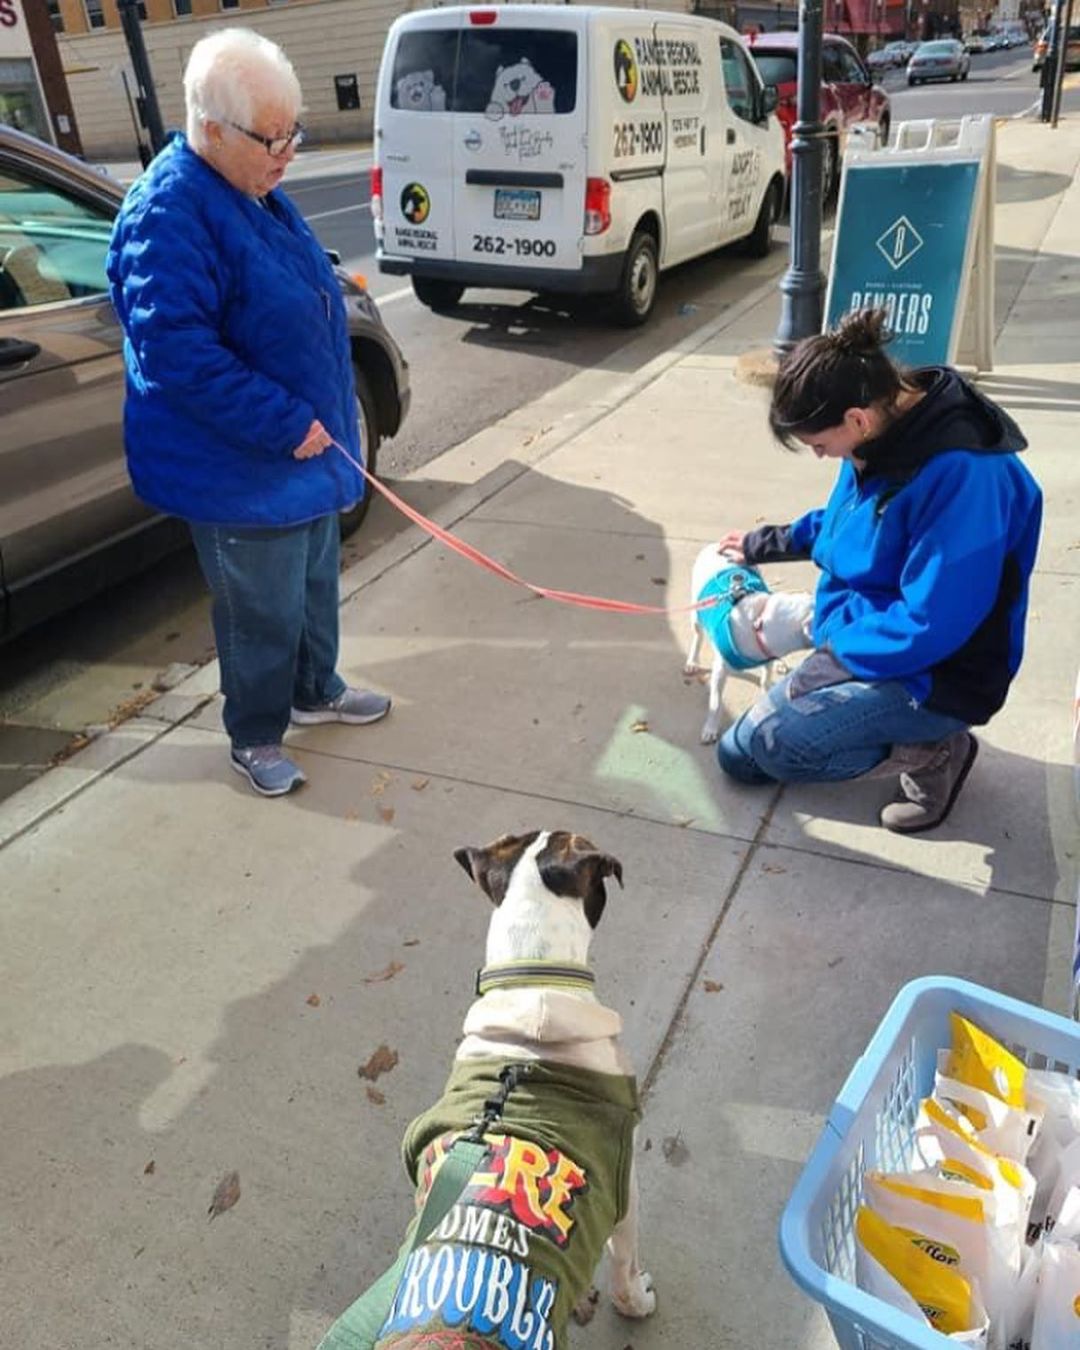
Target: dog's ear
[[491, 867], [570, 865]]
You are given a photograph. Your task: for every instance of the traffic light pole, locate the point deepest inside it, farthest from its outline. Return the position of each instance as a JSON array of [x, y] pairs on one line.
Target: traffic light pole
[[803, 286], [146, 94]]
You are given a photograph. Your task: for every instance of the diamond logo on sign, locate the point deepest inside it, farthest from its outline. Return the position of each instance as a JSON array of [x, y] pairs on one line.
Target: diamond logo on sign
[[900, 242]]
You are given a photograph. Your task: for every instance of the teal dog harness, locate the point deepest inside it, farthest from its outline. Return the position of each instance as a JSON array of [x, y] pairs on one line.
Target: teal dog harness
[[730, 585]]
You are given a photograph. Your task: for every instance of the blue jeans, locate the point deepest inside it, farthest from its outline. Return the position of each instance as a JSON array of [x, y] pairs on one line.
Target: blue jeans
[[275, 617], [839, 731]]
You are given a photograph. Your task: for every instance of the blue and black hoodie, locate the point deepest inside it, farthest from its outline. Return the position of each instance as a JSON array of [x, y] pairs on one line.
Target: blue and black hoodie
[[926, 553]]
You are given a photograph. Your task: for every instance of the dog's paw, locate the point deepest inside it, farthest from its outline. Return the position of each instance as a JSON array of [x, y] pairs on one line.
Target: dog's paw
[[638, 1299], [710, 732], [584, 1309]]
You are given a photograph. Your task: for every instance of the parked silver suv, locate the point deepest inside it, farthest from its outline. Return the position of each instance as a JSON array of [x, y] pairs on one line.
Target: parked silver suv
[[69, 522]]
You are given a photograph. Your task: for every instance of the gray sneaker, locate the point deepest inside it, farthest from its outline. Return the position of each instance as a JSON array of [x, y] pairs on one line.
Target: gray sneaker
[[926, 797], [357, 706], [268, 769]]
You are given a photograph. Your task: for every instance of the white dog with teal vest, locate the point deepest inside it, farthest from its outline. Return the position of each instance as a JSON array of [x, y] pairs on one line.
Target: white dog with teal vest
[[749, 627]]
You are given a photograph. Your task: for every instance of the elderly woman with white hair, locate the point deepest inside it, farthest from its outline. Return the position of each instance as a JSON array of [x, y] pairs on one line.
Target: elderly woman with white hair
[[239, 380]]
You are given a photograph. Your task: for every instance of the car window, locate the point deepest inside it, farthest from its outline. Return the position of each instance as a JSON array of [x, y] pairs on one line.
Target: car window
[[852, 67], [739, 81], [776, 68], [498, 72], [832, 68], [52, 245]]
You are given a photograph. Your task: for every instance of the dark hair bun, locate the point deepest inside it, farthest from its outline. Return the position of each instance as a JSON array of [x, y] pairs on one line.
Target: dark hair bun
[[864, 332]]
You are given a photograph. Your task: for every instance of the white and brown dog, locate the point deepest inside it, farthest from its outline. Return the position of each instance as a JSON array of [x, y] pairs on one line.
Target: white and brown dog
[[542, 1077], [749, 627]]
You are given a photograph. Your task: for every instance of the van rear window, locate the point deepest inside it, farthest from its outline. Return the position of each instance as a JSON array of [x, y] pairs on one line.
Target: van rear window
[[498, 72]]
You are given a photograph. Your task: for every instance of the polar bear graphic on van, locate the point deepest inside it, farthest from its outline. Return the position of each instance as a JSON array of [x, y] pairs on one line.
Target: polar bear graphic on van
[[418, 92], [520, 89]]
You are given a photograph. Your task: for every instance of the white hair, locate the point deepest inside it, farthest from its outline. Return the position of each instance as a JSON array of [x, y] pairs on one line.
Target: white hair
[[231, 71]]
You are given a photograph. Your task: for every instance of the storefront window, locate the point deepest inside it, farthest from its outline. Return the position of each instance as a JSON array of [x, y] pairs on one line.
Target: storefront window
[[56, 16], [181, 8], [20, 103], [95, 14]]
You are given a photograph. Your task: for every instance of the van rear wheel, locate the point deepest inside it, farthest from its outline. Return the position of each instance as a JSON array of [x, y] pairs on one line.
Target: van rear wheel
[[437, 295], [759, 241], [636, 294]]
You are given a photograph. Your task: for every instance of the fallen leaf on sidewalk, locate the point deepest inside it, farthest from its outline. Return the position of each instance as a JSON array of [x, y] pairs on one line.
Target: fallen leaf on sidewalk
[[150, 1168], [772, 867], [382, 1061], [394, 968], [313, 1000], [380, 783], [386, 814], [374, 1095], [226, 1194], [419, 784], [411, 942], [352, 815], [713, 986], [639, 726]]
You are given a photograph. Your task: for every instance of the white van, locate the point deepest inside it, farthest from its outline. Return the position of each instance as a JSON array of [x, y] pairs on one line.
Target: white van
[[566, 148]]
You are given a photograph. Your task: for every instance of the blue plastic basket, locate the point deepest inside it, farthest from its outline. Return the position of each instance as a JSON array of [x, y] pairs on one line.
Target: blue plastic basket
[[871, 1126]]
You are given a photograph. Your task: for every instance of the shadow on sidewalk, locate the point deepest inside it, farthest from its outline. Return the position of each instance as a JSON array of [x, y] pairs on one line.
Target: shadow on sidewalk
[[1020, 393], [1028, 185]]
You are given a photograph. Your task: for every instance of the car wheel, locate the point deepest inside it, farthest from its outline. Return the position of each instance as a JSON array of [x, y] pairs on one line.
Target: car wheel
[[964, 76], [636, 295], [884, 129], [912, 80], [830, 169], [437, 295], [351, 520], [758, 242]]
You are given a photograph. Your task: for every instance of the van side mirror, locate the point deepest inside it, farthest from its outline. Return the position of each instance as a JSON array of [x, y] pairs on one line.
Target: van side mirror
[[770, 98]]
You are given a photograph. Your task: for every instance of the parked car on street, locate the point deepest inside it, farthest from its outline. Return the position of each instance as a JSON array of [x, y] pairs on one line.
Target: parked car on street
[[1045, 45], [975, 44], [848, 94], [942, 59], [70, 523]]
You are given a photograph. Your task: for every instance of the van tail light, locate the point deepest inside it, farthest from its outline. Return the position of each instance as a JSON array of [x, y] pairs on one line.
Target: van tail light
[[597, 205], [376, 193], [482, 17]]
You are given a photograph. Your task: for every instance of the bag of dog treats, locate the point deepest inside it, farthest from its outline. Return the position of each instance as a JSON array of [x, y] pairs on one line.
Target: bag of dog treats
[[947, 1145], [1006, 1130], [1057, 1298], [967, 1224], [1058, 1097], [907, 1271], [982, 1062]]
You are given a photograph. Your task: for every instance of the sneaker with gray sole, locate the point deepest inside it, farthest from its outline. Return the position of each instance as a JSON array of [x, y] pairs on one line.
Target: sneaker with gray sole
[[356, 706], [926, 796], [268, 769]]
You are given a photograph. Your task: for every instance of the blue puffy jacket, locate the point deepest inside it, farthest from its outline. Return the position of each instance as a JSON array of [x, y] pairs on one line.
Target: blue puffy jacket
[[236, 341], [926, 554]]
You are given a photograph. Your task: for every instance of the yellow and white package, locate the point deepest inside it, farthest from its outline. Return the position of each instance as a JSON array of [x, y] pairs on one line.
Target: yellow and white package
[[905, 1270], [947, 1145], [1057, 1298], [1057, 1095], [967, 1224], [977, 1059], [1007, 1130]]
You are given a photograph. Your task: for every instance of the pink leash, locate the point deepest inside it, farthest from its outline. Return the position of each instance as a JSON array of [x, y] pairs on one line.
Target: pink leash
[[490, 565]]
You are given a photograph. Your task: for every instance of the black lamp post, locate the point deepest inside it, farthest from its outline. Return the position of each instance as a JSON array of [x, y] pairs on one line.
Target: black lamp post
[[146, 94], [803, 285]]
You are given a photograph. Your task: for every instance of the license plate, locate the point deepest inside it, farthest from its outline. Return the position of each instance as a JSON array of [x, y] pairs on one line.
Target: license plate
[[517, 204]]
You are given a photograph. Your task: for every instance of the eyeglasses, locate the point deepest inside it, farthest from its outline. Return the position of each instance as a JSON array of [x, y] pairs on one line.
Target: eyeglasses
[[276, 145]]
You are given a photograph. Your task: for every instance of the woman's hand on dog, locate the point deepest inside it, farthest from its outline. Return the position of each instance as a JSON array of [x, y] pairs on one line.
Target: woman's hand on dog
[[314, 443], [731, 545]]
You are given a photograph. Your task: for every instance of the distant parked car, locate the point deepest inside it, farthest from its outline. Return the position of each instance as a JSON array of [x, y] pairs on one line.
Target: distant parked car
[[1045, 45], [848, 93], [70, 523], [975, 44], [942, 59]]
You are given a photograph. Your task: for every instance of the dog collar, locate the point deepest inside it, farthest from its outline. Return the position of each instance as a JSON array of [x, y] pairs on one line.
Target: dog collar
[[515, 974]]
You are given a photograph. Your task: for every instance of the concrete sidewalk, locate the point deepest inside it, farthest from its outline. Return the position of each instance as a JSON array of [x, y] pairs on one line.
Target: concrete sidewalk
[[192, 975]]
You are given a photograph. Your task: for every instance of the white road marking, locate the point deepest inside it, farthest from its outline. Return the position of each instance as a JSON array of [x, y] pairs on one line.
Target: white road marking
[[339, 211], [391, 296]]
